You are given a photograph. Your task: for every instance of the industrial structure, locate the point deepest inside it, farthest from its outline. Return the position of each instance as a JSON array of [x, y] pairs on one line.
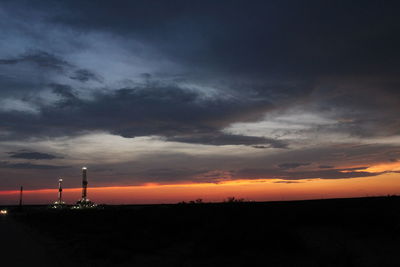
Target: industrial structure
[[84, 202], [84, 183], [59, 203]]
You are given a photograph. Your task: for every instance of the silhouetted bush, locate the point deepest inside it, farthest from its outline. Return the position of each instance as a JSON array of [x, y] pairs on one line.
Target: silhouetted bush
[[233, 200]]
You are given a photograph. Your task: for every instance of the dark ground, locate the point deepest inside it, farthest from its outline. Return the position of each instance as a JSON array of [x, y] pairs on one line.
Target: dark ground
[[337, 232]]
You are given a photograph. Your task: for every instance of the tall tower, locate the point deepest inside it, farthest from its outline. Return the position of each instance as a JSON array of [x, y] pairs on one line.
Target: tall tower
[[84, 183], [59, 204], [60, 190], [84, 202]]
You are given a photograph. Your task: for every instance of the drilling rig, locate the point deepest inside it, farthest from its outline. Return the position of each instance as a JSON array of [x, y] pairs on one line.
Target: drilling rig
[[59, 203], [84, 202]]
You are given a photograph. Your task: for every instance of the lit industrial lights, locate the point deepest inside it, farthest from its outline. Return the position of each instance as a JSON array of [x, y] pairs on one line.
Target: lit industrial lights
[[84, 202], [59, 204]]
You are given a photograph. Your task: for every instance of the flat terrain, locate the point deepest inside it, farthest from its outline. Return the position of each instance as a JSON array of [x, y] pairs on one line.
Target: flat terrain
[[19, 246], [337, 232]]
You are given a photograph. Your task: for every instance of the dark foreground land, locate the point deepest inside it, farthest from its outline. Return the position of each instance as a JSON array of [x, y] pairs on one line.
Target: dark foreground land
[[338, 232]]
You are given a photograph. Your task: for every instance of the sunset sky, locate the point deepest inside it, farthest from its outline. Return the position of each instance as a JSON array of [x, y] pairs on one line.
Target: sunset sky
[[168, 101]]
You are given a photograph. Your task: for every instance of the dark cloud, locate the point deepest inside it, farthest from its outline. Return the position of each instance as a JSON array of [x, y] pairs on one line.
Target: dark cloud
[[268, 60], [326, 166], [179, 114], [258, 37], [260, 146], [84, 75], [301, 175], [364, 106], [65, 91], [39, 58], [69, 98], [31, 155], [27, 165], [292, 165], [220, 139], [286, 182]]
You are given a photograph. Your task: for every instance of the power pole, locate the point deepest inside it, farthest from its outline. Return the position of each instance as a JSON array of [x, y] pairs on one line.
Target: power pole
[[20, 196]]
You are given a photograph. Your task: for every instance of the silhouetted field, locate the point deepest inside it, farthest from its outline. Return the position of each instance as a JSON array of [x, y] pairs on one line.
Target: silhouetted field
[[337, 232]]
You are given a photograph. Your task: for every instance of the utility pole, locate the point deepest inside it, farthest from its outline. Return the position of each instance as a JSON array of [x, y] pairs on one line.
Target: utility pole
[[20, 196]]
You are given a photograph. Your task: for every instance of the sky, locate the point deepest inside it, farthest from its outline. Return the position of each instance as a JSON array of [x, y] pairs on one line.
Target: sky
[[168, 101]]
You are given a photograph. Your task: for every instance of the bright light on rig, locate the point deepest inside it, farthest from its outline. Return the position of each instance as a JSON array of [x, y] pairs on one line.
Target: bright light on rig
[[3, 212]]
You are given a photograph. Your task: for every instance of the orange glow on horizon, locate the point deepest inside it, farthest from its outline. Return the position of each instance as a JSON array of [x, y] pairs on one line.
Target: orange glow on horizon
[[257, 190], [147, 185]]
